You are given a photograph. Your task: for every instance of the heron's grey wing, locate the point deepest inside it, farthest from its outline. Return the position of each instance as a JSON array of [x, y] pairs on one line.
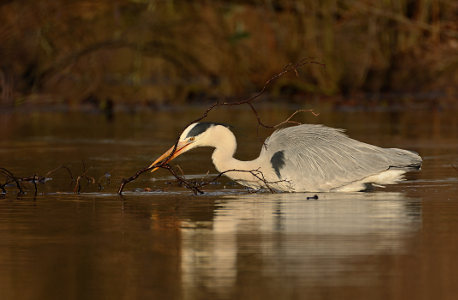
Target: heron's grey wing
[[317, 157]]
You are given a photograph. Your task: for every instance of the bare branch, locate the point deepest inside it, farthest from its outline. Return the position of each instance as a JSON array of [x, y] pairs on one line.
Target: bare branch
[[195, 188], [89, 179], [248, 101], [10, 175], [19, 181], [256, 173], [34, 181], [288, 120], [125, 181], [58, 168]]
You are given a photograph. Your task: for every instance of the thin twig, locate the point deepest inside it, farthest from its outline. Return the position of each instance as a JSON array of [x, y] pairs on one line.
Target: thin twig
[[77, 187], [8, 174], [288, 120], [248, 101], [58, 168], [125, 181], [11, 178], [194, 187], [180, 169], [35, 177], [256, 173]]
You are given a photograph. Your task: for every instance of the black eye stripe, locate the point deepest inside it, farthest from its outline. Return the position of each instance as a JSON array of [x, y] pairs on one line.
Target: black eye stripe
[[199, 128]]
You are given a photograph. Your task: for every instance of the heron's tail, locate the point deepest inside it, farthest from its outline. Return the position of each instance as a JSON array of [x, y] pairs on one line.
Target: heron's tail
[[404, 159]]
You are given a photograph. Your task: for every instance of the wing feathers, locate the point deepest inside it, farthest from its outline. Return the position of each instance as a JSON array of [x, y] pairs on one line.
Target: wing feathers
[[320, 158]]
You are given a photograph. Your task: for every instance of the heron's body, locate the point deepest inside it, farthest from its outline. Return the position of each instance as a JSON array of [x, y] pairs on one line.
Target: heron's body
[[304, 158]]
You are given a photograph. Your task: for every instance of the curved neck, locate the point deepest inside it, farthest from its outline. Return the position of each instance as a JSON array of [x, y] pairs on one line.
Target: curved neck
[[225, 146], [223, 156]]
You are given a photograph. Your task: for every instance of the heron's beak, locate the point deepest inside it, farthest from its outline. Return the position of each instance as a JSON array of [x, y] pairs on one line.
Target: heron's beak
[[179, 150]]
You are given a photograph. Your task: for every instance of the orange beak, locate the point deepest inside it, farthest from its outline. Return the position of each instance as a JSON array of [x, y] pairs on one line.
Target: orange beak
[[179, 150]]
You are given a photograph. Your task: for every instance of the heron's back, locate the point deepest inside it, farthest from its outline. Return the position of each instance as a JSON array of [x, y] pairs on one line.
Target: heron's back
[[320, 158]]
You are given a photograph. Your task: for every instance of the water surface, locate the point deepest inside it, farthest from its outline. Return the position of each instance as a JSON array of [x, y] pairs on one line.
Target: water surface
[[165, 243]]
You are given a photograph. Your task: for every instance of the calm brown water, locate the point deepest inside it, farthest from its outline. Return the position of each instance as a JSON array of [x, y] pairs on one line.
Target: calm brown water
[[395, 243]]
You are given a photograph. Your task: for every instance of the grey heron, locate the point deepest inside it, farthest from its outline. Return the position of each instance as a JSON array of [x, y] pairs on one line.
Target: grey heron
[[302, 158]]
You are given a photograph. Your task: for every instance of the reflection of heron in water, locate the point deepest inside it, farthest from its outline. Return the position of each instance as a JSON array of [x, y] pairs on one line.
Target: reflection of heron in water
[[303, 158], [339, 240]]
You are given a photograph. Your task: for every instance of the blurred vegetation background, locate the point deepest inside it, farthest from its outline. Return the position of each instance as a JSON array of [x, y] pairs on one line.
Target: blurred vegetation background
[[173, 52]]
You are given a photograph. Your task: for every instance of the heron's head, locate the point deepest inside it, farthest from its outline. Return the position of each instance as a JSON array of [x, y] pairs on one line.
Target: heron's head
[[195, 135]]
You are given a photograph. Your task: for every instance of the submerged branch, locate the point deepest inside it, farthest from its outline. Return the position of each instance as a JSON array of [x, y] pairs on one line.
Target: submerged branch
[[10, 178], [58, 168], [9, 175], [125, 181], [195, 188], [256, 173]]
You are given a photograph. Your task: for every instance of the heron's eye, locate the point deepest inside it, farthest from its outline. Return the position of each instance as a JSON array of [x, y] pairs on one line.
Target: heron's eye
[[191, 139]]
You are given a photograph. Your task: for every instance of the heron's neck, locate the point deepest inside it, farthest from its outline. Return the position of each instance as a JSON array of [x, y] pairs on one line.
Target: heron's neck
[[223, 156]]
